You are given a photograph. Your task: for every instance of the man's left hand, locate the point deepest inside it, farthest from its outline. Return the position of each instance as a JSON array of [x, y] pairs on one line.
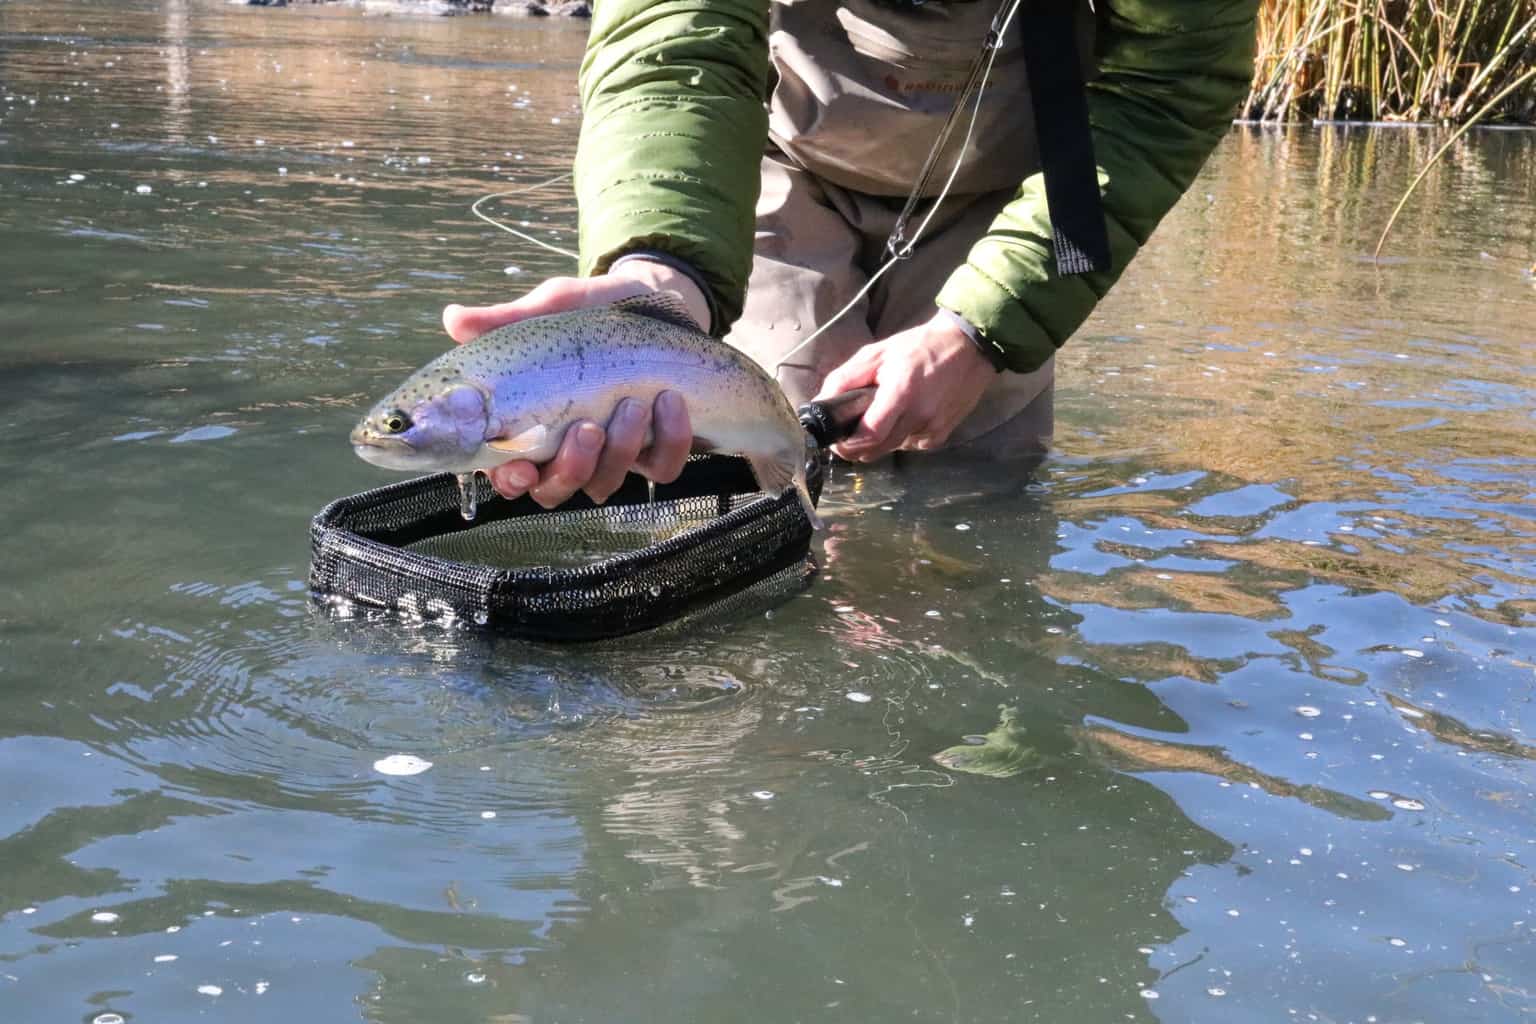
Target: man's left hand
[[928, 378]]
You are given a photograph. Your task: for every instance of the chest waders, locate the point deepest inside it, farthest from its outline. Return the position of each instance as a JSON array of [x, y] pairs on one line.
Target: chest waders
[[1063, 133]]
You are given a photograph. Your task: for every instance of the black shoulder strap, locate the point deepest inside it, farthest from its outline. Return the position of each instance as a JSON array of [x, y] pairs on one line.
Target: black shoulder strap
[[1066, 140]]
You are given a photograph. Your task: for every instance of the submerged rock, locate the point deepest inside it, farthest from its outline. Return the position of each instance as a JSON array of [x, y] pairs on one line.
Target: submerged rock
[[1000, 754]]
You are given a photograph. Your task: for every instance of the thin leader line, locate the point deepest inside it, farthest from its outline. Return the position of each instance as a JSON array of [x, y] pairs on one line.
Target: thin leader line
[[475, 209]]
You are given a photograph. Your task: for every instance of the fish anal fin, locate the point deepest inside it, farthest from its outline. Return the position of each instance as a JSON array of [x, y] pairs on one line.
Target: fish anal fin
[[666, 306], [774, 475]]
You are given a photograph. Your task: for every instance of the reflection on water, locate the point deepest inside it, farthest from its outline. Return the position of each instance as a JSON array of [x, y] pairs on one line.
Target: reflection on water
[[1266, 619]]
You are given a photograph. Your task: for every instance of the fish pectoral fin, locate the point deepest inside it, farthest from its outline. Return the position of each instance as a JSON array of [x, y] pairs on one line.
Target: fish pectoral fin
[[529, 442], [773, 475], [666, 306]]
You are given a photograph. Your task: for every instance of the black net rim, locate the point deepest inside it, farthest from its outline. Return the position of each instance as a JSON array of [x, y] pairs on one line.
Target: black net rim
[[360, 554]]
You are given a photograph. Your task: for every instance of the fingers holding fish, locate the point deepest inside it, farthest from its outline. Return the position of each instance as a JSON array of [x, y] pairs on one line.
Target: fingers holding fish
[[628, 444], [512, 479], [572, 467], [663, 461], [627, 430]]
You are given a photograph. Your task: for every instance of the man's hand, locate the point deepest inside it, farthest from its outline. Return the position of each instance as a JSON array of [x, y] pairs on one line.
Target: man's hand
[[593, 457], [928, 378]]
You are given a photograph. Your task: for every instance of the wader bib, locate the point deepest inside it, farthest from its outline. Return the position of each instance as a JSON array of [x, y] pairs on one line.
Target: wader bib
[[862, 91]]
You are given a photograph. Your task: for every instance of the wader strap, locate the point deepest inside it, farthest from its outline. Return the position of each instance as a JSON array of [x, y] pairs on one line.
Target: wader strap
[[1066, 140]]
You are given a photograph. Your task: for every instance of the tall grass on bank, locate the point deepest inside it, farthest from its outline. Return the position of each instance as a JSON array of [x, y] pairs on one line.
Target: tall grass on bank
[[1393, 60]]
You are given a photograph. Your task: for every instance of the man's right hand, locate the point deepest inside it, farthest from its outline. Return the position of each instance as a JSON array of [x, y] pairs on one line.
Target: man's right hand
[[594, 457]]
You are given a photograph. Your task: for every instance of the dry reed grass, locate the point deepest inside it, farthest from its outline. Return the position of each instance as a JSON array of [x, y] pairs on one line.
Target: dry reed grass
[[1394, 60]]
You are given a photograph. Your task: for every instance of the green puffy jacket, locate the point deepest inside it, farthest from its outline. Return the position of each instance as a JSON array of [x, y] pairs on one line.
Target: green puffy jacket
[[675, 125]]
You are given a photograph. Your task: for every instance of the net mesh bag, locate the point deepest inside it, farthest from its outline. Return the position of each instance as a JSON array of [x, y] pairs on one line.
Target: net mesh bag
[[644, 558]]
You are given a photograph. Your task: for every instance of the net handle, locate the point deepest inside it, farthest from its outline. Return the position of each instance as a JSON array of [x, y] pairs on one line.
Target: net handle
[[833, 419]]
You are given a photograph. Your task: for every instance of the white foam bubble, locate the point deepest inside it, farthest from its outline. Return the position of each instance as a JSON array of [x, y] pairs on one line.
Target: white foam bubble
[[104, 917], [262, 986], [165, 958], [143, 190], [1409, 652], [210, 990], [107, 1018], [487, 815], [1408, 804], [763, 794], [860, 698], [401, 764]]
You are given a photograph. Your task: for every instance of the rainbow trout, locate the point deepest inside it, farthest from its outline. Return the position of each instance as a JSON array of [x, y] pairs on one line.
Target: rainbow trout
[[512, 392]]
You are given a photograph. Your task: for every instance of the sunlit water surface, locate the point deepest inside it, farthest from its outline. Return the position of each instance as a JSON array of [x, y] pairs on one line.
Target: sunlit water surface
[[1267, 615]]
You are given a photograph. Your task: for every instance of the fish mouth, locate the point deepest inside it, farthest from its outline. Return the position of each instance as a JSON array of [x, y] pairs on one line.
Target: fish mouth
[[362, 437], [389, 452]]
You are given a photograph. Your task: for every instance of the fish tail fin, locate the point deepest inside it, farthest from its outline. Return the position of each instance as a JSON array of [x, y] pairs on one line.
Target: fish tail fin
[[774, 475]]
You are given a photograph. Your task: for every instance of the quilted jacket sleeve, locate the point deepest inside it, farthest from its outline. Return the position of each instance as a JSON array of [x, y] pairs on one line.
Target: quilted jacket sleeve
[[673, 129], [1171, 75]]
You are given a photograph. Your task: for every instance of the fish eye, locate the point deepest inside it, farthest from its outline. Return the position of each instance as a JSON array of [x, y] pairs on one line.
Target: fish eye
[[396, 422]]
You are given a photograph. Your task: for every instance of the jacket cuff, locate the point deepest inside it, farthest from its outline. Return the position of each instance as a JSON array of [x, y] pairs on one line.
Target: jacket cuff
[[1004, 325], [989, 350]]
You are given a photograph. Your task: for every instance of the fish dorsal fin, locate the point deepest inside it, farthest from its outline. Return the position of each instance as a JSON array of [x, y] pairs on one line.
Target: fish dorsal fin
[[666, 306]]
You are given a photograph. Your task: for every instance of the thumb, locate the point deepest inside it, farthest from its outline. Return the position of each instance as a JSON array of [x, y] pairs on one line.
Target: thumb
[[557, 295], [466, 323], [859, 371]]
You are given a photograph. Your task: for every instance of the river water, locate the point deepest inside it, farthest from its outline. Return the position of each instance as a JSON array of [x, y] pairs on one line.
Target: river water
[[1267, 615]]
